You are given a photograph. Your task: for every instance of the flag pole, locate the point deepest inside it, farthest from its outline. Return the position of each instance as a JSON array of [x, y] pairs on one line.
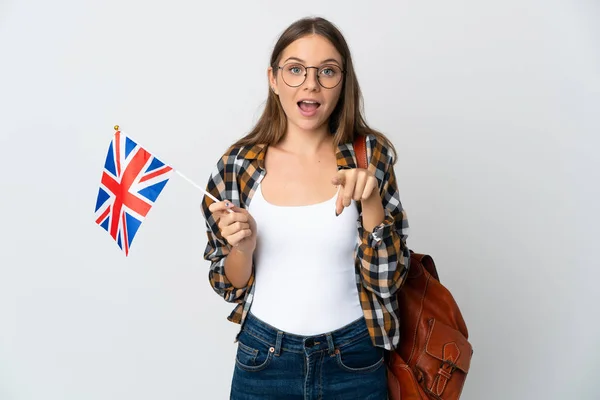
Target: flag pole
[[198, 186], [195, 185]]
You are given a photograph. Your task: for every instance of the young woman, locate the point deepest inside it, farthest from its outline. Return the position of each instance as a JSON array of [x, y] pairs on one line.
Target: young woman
[[312, 248]]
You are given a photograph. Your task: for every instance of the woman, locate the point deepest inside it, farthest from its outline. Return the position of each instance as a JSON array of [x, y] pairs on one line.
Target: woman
[[311, 247]]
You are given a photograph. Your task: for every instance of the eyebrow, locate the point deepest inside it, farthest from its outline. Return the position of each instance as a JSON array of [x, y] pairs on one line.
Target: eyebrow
[[322, 62]]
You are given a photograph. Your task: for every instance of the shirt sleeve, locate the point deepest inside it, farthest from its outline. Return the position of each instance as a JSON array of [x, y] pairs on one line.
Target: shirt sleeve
[[222, 185], [383, 253]]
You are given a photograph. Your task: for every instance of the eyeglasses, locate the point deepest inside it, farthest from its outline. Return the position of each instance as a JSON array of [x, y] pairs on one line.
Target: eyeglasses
[[328, 76]]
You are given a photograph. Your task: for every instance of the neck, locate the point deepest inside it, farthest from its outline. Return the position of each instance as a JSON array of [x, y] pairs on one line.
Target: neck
[[305, 142]]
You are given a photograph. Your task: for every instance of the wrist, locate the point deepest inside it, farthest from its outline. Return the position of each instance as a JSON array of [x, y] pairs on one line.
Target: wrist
[[373, 200], [247, 249], [373, 213]]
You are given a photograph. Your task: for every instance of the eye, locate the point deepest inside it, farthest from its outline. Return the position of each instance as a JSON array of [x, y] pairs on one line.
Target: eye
[[329, 72], [295, 69]]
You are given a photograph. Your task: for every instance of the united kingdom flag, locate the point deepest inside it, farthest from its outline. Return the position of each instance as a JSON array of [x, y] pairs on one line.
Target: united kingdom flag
[[132, 180]]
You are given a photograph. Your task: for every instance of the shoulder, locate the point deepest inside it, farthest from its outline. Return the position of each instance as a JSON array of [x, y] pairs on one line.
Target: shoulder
[[232, 155], [236, 157], [380, 151]]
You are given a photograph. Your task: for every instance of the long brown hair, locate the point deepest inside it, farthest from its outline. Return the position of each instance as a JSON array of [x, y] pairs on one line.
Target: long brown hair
[[346, 120]]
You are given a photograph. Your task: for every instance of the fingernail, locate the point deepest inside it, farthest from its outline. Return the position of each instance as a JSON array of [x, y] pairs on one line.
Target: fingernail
[[337, 214]]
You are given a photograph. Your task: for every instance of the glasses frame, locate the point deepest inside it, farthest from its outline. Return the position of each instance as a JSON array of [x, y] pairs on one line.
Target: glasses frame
[[306, 74]]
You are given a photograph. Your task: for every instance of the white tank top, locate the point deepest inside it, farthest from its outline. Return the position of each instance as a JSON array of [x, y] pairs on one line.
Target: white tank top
[[305, 280]]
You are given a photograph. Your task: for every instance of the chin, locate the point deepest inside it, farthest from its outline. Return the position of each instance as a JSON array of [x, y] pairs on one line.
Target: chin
[[308, 125]]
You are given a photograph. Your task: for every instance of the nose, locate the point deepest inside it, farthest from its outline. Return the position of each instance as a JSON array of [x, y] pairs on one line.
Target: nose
[[312, 82]]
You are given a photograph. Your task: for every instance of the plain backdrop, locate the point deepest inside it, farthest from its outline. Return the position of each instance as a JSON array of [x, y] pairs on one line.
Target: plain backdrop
[[494, 107]]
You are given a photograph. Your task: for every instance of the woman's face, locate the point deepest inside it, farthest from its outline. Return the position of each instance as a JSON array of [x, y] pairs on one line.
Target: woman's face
[[308, 104]]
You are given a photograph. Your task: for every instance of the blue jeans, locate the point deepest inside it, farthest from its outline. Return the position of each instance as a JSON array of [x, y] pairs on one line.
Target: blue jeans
[[343, 364]]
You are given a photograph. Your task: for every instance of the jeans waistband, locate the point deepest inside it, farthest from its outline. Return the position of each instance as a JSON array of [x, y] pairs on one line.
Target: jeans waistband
[[330, 341]]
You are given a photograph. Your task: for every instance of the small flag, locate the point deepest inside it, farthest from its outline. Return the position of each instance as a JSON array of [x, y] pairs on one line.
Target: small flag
[[132, 180]]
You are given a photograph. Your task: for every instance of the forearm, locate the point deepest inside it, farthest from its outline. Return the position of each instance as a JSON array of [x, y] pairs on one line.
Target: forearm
[[383, 258], [238, 267], [372, 212]]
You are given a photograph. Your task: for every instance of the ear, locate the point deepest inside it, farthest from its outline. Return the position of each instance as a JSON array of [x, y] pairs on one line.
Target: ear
[[272, 80]]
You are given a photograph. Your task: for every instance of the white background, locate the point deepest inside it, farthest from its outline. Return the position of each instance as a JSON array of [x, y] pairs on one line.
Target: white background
[[494, 107]]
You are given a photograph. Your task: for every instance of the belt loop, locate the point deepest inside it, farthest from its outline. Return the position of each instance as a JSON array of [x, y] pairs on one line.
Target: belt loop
[[278, 343], [330, 345]]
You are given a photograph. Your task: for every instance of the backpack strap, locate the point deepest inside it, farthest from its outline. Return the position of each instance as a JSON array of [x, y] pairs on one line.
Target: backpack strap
[[360, 149]]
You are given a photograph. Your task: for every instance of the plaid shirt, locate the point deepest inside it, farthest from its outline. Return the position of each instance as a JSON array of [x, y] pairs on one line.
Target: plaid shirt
[[381, 256]]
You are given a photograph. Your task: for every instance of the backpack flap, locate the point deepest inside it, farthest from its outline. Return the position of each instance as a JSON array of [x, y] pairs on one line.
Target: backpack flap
[[450, 354]]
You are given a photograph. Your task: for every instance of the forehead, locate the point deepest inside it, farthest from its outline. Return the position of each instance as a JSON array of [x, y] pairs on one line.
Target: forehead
[[313, 49]]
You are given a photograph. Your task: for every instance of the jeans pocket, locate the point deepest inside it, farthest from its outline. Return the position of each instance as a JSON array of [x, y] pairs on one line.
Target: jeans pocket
[[360, 356], [253, 354]]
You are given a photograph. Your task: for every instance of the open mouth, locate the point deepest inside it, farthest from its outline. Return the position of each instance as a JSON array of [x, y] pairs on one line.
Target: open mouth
[[308, 106]]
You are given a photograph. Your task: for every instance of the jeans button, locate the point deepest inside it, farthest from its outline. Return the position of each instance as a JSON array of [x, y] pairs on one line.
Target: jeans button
[[310, 342]]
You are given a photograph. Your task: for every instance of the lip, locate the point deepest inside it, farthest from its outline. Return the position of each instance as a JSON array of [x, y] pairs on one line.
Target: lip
[[307, 99], [309, 113]]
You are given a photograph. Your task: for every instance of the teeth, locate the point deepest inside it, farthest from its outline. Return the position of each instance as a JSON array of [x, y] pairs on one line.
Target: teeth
[[308, 102]]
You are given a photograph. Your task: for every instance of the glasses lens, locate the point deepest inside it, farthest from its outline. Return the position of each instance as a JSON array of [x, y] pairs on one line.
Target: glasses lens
[[293, 74], [330, 76]]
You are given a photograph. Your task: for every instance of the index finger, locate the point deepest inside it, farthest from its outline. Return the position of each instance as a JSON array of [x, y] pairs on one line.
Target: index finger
[[339, 179]]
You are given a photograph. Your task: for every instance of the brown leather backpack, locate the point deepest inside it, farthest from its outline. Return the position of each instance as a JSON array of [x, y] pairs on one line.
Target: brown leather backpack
[[433, 357]]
